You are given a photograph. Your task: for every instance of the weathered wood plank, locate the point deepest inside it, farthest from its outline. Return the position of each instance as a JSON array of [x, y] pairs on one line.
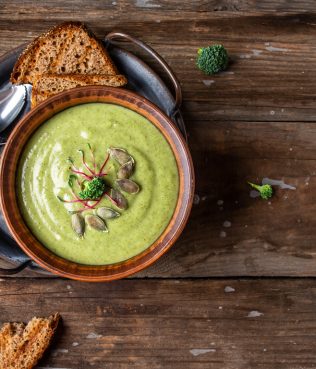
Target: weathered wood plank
[[60, 7], [231, 234], [272, 54], [172, 324], [261, 237], [244, 124]]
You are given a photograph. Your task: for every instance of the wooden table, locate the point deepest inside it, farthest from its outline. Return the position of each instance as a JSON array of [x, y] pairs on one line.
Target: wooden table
[[237, 290]]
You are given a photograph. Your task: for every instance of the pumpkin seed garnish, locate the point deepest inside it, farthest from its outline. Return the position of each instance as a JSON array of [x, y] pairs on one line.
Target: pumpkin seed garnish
[[120, 155], [125, 170], [78, 224], [96, 223], [89, 177], [107, 213], [119, 199], [128, 186]]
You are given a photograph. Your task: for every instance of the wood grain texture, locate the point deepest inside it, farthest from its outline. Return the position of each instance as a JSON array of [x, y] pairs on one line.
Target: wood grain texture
[[255, 120], [230, 233], [172, 324], [272, 54]]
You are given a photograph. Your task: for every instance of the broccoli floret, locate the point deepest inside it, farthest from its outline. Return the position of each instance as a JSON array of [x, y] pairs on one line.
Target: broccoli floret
[[265, 190], [212, 59], [93, 189]]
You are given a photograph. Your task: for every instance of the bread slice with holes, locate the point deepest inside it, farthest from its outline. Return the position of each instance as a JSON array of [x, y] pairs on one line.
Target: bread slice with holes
[[50, 84], [82, 54], [21, 346], [41, 53], [66, 48]]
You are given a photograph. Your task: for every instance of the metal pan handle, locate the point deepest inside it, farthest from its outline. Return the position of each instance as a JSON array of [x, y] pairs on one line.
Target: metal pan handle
[[158, 58]]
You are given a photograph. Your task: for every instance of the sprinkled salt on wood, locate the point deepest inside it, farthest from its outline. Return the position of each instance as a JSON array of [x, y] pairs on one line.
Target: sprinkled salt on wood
[[227, 224], [223, 73], [245, 56], [94, 335], [208, 82], [256, 52], [280, 49], [229, 289], [197, 352], [146, 4], [276, 182], [254, 194], [59, 351], [254, 314]]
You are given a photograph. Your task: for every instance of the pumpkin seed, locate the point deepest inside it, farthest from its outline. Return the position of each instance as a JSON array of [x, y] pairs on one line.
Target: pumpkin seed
[[125, 170], [120, 155], [96, 223], [107, 213], [118, 199], [128, 186], [77, 224]]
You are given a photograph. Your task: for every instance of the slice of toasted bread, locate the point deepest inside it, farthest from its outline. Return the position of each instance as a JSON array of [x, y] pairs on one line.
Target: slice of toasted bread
[[22, 346], [67, 48], [20, 67], [51, 84], [47, 48], [83, 54], [41, 53]]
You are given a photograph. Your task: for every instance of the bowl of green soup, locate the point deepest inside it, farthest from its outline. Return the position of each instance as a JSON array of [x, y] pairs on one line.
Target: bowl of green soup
[[96, 183]]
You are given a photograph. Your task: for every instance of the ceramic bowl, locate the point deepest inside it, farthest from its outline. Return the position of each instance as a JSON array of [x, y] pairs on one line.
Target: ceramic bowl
[[10, 158]]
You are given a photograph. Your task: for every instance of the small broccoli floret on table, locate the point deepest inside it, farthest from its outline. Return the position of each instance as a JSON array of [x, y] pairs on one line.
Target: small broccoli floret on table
[[212, 59], [265, 190]]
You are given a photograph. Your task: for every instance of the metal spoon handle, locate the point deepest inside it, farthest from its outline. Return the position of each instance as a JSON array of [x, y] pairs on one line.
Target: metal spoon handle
[[12, 101]]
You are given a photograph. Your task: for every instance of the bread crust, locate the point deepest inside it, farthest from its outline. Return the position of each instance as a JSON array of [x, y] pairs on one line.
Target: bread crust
[[18, 72], [21, 346], [48, 85], [23, 71]]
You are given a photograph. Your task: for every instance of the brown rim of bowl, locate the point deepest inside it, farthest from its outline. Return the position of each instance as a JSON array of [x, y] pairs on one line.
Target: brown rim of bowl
[[15, 145]]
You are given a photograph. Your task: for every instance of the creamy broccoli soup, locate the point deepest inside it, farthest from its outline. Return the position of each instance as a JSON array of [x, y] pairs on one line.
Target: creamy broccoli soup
[[97, 183]]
